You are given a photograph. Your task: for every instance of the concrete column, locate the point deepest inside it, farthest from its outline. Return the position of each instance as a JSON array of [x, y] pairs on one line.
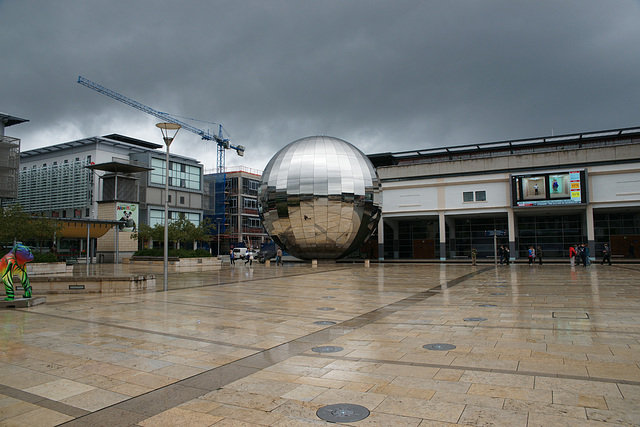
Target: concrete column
[[443, 236], [511, 218], [381, 238], [591, 235]]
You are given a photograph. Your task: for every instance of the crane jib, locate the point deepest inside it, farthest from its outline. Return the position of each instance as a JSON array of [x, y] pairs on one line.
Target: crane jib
[[222, 143]]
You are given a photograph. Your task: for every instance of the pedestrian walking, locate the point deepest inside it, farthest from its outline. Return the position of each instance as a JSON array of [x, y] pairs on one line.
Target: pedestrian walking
[[583, 254], [587, 254], [249, 257], [506, 255], [606, 254], [632, 251], [474, 256], [539, 255], [279, 257], [572, 255], [531, 254], [501, 254], [232, 257]]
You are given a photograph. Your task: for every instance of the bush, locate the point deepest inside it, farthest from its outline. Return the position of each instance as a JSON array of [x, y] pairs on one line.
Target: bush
[[180, 253], [37, 257], [48, 257]]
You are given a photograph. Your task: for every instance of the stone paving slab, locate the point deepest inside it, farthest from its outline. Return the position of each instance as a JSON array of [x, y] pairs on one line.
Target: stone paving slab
[[559, 346]]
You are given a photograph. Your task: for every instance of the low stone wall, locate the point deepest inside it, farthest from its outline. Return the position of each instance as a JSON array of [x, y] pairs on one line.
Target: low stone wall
[[91, 284], [178, 265], [48, 268]]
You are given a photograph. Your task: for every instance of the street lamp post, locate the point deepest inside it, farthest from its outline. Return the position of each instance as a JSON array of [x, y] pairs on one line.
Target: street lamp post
[[218, 230], [169, 132]]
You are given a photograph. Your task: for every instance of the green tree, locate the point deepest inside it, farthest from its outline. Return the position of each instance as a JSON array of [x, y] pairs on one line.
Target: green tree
[[179, 231], [18, 225], [42, 229]]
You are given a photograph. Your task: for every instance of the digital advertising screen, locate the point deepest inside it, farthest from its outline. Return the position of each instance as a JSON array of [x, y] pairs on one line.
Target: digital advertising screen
[[549, 189]]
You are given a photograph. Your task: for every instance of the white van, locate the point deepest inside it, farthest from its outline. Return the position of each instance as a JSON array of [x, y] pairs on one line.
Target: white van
[[239, 253]]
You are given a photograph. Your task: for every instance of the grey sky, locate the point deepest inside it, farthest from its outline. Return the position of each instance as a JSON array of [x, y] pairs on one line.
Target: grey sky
[[383, 75]]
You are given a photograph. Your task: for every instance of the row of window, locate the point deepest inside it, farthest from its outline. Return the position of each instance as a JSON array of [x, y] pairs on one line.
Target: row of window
[[66, 161], [156, 216], [180, 175], [480, 196]]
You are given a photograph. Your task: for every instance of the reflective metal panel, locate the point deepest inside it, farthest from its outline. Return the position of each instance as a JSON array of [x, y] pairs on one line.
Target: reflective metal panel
[[316, 198]]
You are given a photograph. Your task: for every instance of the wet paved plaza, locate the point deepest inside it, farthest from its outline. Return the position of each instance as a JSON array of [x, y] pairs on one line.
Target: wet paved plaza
[[415, 344]]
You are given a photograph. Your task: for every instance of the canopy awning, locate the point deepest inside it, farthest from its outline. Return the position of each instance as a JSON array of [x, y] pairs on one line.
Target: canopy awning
[[77, 228]]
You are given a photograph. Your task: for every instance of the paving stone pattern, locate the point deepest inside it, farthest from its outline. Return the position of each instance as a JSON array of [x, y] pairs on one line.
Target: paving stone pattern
[[559, 347]]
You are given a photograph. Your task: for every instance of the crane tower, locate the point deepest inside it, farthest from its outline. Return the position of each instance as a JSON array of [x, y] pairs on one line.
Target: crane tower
[[222, 143]]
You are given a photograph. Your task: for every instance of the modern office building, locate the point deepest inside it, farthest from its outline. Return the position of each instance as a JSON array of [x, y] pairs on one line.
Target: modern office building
[[113, 177], [551, 192], [231, 200], [9, 158]]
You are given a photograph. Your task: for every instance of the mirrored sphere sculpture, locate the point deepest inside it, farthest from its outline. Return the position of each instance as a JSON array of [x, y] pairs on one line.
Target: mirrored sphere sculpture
[[316, 198]]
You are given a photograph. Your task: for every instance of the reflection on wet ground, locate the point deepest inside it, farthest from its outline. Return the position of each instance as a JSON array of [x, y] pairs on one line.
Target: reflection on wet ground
[[416, 345]]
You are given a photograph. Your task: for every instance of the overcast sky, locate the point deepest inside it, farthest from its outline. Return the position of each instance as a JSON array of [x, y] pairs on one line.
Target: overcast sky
[[387, 75]]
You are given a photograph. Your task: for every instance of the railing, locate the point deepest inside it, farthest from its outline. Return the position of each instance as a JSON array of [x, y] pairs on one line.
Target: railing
[[232, 169]]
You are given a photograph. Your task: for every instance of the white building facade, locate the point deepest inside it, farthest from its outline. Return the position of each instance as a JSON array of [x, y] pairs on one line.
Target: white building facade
[[548, 192], [113, 177]]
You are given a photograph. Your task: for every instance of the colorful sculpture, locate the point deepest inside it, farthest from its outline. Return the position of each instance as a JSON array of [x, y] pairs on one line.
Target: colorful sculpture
[[15, 262]]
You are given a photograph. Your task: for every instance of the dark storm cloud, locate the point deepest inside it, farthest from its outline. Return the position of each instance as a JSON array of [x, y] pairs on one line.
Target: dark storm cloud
[[384, 75]]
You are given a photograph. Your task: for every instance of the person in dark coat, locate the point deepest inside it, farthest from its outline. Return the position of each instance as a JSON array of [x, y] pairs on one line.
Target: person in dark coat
[[539, 255], [606, 254]]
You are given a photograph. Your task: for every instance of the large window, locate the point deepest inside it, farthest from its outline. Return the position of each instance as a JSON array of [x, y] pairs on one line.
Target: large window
[[477, 233], [180, 175], [417, 239], [156, 216], [619, 230], [554, 234]]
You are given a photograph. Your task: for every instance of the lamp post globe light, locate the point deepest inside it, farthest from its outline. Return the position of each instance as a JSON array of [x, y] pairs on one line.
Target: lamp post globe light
[[169, 132]]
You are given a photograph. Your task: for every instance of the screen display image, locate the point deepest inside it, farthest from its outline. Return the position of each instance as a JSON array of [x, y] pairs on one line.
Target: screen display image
[[548, 189], [560, 186], [533, 188]]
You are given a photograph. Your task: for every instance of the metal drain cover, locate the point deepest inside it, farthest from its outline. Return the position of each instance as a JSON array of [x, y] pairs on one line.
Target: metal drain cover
[[487, 305], [328, 297], [342, 413], [498, 293], [474, 319], [325, 308], [439, 347], [324, 322], [327, 349]]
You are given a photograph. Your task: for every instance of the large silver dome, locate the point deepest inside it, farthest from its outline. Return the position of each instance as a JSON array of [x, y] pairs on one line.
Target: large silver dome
[[316, 198]]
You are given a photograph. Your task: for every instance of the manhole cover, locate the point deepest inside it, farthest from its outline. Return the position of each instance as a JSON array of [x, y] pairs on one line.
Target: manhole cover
[[570, 315], [342, 413], [327, 349], [324, 322], [487, 305], [325, 308], [439, 347], [474, 319], [328, 297], [497, 293]]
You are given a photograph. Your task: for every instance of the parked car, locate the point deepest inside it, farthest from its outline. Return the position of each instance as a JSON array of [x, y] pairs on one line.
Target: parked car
[[239, 253]]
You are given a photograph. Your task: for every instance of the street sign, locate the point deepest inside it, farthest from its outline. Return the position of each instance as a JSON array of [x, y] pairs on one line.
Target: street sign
[[491, 233]]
